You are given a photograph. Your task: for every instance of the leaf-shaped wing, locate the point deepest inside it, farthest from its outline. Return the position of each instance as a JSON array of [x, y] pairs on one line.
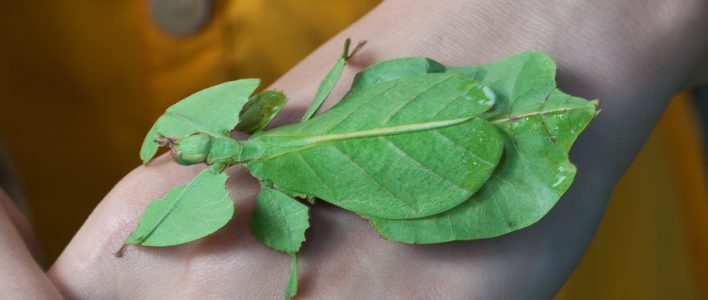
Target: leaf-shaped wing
[[214, 111], [539, 124], [401, 149], [186, 213], [394, 69], [279, 221]]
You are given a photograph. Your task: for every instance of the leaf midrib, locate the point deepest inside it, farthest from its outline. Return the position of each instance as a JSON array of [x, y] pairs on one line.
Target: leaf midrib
[[536, 113], [197, 126], [313, 141]]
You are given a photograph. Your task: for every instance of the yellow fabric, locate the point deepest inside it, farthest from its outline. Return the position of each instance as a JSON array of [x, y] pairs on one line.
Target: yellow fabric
[[83, 80]]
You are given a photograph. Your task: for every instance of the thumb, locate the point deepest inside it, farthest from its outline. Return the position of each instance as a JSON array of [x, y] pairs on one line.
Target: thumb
[[20, 276]]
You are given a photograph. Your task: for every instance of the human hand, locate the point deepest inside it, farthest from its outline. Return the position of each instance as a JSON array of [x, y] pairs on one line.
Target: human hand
[[607, 50], [343, 255]]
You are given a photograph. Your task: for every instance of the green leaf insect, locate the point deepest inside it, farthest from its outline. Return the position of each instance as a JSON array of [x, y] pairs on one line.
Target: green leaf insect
[[427, 153]]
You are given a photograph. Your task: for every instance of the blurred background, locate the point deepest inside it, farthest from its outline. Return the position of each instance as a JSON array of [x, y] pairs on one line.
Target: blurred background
[[82, 81]]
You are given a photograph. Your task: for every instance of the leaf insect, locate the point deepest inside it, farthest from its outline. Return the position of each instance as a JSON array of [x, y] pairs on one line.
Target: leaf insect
[[416, 147]]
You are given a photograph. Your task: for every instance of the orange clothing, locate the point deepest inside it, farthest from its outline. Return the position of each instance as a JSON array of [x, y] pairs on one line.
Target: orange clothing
[[82, 81]]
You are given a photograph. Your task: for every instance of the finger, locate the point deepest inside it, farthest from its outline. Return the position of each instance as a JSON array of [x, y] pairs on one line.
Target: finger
[[8, 183], [20, 276], [19, 221]]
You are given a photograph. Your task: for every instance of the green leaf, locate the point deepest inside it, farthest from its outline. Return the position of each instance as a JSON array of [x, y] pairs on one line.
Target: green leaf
[[539, 124], [279, 221], [405, 148], [214, 111], [291, 287], [186, 213], [260, 110], [395, 69]]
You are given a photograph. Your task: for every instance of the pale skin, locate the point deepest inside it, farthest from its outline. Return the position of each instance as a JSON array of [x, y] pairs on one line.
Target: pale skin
[[633, 55]]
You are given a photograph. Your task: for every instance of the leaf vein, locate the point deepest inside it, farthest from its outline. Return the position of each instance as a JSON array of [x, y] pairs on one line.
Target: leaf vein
[[536, 113], [412, 99], [319, 177], [421, 165], [461, 147], [185, 119], [363, 170]]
